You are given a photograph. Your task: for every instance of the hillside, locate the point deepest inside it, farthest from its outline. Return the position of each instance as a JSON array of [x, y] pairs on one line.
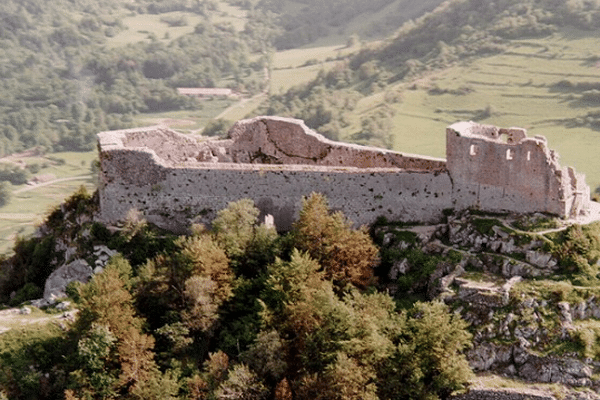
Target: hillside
[[528, 64], [405, 311], [304, 22], [72, 69], [504, 306]]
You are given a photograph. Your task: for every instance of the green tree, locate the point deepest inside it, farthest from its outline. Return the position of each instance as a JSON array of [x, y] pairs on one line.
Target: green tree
[[428, 362], [235, 225], [267, 356], [346, 255], [217, 127], [250, 245], [107, 311]]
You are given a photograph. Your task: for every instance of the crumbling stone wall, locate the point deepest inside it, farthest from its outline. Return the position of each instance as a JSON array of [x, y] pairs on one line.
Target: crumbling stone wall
[[174, 180], [174, 185], [275, 140], [496, 169]]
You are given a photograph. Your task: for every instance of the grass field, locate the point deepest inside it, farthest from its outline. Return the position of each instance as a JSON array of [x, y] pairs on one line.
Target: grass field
[[144, 26], [230, 14], [297, 66], [29, 204], [517, 87], [186, 121]]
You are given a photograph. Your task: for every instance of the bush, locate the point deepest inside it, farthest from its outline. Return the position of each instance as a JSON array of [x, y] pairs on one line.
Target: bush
[[217, 127], [28, 292], [5, 193]]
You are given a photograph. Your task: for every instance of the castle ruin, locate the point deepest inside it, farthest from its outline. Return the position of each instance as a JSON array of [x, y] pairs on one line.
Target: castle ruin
[[175, 180]]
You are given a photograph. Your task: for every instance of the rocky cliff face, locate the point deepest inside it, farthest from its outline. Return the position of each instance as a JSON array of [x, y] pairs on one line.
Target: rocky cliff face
[[505, 275]]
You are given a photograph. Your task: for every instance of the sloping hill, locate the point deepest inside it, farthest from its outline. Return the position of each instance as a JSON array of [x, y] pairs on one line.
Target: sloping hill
[[307, 21], [508, 63]]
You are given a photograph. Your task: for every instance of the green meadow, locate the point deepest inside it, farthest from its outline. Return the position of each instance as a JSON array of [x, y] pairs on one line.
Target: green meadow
[[143, 27], [63, 174], [516, 88]]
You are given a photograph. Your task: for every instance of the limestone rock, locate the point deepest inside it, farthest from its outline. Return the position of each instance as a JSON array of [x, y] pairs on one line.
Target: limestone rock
[[539, 259], [399, 268], [102, 254], [482, 357], [56, 284], [566, 371], [25, 311]]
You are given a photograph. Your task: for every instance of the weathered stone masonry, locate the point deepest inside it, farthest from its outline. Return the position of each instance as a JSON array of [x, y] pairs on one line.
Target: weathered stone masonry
[[504, 170], [174, 180]]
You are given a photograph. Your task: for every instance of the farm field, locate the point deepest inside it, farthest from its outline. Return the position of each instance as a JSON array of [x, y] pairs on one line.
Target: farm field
[[143, 27], [186, 121]]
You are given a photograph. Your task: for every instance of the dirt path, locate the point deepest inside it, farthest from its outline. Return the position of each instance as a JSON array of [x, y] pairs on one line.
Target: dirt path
[[32, 187], [240, 104], [12, 318]]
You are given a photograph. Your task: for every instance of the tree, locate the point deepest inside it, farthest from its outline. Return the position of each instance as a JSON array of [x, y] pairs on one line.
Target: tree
[[217, 127], [346, 255], [200, 255], [267, 356], [346, 379], [234, 226], [200, 292], [250, 245], [5, 193], [428, 362], [242, 384], [118, 355]]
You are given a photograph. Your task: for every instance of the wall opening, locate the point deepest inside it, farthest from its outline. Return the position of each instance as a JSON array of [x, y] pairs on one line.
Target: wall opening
[[509, 154], [473, 150]]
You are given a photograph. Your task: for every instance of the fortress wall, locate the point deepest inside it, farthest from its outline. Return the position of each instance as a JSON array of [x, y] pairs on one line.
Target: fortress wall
[[274, 140], [519, 175], [169, 146], [172, 197], [173, 179]]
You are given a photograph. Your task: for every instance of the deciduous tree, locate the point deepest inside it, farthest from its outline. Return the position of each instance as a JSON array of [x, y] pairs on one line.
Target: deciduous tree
[[346, 255]]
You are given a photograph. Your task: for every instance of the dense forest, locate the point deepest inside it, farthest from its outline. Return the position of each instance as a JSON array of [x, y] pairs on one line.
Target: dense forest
[[234, 312]]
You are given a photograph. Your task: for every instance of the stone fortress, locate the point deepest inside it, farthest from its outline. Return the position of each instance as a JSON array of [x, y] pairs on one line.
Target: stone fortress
[[174, 180]]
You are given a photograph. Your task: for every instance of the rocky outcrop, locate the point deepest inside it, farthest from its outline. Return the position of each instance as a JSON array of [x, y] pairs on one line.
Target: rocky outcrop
[[482, 271], [56, 284], [524, 394]]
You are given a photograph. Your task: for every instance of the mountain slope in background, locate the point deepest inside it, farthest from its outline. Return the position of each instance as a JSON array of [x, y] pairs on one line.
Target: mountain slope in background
[[524, 63]]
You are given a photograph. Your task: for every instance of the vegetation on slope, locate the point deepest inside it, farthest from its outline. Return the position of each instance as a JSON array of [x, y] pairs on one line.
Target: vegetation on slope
[[237, 311], [63, 81], [385, 77], [304, 21]]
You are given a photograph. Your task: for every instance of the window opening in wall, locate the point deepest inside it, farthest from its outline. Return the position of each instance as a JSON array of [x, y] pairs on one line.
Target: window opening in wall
[[509, 154], [528, 156], [473, 150]]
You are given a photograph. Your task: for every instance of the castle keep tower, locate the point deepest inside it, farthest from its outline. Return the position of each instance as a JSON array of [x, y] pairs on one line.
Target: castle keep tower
[[496, 169]]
